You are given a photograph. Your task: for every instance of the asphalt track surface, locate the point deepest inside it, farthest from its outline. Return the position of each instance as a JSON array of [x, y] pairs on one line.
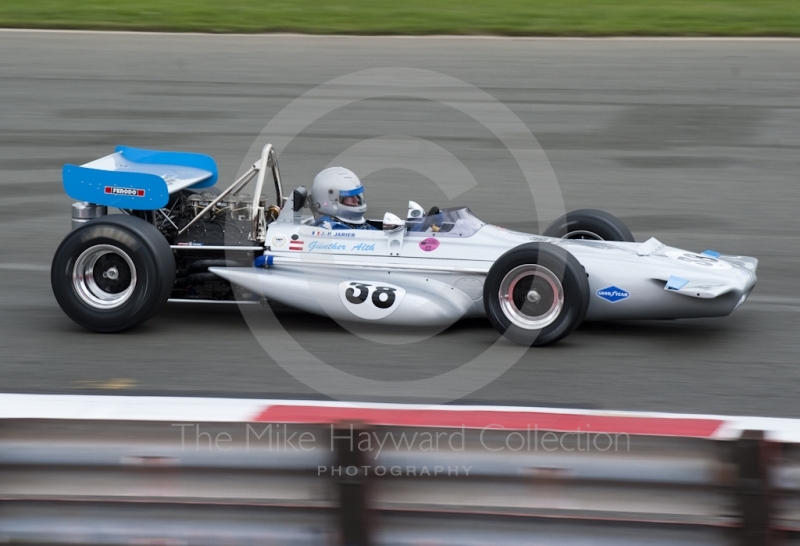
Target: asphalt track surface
[[693, 141]]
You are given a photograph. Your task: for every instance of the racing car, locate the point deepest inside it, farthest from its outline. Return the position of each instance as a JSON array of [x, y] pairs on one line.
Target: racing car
[[180, 238]]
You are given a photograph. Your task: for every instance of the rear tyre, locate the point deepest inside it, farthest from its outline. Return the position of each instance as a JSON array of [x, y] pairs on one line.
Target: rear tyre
[[536, 294], [113, 273], [590, 224]]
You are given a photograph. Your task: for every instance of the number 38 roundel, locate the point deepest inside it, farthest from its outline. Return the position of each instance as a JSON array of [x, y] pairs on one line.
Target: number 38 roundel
[[370, 300]]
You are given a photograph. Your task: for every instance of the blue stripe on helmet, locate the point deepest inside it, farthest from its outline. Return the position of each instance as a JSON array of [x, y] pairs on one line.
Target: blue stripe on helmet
[[350, 193]]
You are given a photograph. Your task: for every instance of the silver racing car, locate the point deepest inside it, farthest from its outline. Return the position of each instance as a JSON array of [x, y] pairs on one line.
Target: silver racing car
[[181, 239]]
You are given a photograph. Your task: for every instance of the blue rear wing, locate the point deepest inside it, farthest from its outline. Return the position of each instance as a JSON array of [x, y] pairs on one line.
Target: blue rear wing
[[133, 178]]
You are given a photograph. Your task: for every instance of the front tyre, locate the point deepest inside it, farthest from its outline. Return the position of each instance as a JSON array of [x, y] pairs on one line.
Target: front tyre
[[536, 294], [113, 273], [592, 224]]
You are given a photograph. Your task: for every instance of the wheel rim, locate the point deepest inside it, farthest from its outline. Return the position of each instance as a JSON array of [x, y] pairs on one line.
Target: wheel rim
[[104, 277], [531, 297], [583, 234]]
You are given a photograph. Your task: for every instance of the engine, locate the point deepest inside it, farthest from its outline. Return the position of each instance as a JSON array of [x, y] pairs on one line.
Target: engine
[[228, 224]]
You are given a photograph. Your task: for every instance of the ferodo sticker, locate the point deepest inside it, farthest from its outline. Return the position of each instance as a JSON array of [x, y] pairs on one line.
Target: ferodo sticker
[[700, 260], [370, 300], [130, 192]]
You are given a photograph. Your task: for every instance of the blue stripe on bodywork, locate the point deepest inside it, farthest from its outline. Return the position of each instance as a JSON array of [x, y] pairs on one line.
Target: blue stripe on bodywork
[[89, 185], [676, 283], [185, 159]]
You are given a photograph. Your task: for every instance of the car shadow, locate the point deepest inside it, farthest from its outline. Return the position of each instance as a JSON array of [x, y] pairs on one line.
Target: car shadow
[[478, 331], [689, 331]]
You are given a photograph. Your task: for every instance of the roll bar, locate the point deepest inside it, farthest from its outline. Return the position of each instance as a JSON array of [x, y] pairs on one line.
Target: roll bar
[[269, 159]]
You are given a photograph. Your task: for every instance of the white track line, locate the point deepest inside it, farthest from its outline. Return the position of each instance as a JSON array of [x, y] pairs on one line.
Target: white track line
[[24, 267], [778, 300]]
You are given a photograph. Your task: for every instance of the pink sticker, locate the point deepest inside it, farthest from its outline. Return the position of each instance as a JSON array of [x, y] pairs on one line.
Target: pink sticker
[[429, 244]]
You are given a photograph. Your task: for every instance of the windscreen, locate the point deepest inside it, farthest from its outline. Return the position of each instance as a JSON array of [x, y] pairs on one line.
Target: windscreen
[[455, 222]]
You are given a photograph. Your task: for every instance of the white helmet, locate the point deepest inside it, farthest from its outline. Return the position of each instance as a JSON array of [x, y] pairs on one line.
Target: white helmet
[[331, 189]]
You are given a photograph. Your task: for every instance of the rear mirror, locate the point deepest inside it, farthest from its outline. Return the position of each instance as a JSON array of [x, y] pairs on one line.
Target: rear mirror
[[415, 211], [392, 223], [299, 196]]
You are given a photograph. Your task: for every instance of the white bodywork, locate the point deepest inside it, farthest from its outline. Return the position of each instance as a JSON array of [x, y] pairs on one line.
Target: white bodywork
[[429, 277]]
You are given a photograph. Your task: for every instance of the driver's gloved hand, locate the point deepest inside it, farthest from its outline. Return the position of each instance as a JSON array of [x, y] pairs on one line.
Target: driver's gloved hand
[[430, 220]]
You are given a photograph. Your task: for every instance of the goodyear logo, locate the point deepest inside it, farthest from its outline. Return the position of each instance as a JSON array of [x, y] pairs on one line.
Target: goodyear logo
[[132, 192], [613, 294]]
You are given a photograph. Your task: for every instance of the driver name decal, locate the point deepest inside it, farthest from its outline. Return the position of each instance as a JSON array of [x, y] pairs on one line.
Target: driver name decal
[[331, 233], [613, 294], [364, 247], [339, 247], [369, 300], [316, 245], [430, 244]]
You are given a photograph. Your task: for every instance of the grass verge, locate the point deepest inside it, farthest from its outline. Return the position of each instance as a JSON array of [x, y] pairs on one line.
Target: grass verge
[[416, 17]]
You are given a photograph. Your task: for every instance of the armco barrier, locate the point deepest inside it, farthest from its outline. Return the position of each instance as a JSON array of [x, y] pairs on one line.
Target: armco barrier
[[149, 470]]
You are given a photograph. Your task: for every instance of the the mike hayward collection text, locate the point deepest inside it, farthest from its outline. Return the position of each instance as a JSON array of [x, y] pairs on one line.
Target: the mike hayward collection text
[[375, 442]]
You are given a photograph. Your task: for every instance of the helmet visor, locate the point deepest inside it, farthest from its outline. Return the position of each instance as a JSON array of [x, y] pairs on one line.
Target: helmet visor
[[352, 198]]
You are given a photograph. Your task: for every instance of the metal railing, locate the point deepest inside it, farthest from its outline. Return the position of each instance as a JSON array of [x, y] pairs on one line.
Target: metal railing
[[112, 482]]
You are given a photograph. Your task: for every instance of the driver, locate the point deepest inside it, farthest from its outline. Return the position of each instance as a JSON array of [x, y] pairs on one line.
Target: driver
[[337, 200]]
